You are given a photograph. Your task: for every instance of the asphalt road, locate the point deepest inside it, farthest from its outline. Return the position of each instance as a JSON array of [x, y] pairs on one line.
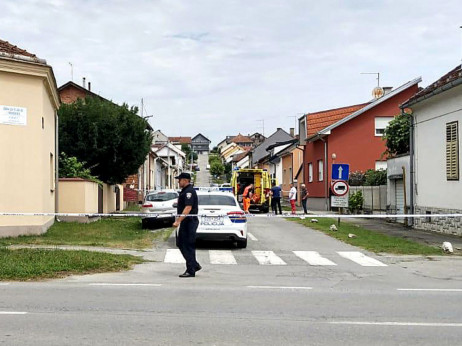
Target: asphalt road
[[277, 300], [202, 176]]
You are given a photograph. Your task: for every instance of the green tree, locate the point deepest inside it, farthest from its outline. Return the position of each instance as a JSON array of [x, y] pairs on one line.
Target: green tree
[[357, 178], [112, 139], [187, 150], [70, 167], [397, 136], [217, 168]]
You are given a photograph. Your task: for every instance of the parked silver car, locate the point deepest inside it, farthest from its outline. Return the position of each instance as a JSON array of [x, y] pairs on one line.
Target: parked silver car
[[159, 207]]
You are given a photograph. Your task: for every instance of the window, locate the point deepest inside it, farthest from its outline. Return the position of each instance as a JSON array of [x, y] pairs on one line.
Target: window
[[380, 165], [216, 200], [320, 170], [52, 172], [310, 172], [161, 196], [381, 124], [452, 151]]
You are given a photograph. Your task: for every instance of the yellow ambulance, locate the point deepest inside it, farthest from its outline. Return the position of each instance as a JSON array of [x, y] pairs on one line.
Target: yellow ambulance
[[261, 181]]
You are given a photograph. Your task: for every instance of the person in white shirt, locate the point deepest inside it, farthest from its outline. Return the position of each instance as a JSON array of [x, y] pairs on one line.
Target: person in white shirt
[[292, 197]]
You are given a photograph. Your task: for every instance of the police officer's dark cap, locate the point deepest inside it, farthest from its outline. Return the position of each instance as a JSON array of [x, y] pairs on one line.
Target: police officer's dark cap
[[184, 176]]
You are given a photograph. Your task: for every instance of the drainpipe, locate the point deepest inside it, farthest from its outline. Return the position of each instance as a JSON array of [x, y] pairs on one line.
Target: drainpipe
[[56, 163], [411, 166], [326, 186]]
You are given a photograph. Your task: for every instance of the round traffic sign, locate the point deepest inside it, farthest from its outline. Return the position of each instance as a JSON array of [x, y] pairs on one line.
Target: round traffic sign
[[340, 188]]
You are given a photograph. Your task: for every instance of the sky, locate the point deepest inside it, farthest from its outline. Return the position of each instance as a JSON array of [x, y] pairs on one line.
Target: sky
[[220, 67]]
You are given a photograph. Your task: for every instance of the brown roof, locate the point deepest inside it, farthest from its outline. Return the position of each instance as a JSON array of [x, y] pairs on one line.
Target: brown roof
[[181, 140], [7, 47], [241, 139], [449, 77], [239, 157], [320, 120]]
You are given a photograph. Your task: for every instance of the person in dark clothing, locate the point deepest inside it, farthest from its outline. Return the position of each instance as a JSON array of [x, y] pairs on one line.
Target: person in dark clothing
[[304, 196], [187, 225], [276, 199]]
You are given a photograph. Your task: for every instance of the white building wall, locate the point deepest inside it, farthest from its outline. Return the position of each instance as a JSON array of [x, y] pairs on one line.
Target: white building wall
[[432, 187]]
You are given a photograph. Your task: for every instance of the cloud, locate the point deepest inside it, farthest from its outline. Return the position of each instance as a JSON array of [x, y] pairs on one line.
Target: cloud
[[217, 67]]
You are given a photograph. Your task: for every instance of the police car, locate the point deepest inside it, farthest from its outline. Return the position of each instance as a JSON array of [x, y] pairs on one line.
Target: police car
[[221, 218]]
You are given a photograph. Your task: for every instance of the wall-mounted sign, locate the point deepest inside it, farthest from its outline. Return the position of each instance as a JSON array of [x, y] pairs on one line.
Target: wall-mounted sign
[[11, 115]]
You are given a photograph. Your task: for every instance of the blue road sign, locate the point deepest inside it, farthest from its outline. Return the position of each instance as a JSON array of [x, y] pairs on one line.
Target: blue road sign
[[340, 171]]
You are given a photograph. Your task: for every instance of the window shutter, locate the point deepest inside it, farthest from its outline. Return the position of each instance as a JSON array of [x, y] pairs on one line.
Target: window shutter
[[452, 151]]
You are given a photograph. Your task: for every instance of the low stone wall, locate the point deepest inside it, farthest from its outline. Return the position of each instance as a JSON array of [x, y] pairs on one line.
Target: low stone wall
[[447, 225]]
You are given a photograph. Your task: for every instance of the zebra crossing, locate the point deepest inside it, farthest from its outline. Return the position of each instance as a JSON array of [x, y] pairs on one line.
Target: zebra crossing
[[270, 258]]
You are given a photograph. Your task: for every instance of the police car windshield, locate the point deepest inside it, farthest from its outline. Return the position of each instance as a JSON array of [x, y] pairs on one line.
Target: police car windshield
[[161, 196], [216, 200]]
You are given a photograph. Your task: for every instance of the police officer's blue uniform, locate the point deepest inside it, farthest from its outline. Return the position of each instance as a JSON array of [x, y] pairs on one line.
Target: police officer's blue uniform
[[186, 240]]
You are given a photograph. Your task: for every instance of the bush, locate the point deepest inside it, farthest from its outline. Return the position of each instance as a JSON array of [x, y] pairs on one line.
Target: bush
[[355, 201], [397, 135], [70, 167], [357, 178], [376, 178]]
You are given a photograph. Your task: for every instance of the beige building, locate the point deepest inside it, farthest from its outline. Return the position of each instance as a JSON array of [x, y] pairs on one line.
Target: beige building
[[28, 118]]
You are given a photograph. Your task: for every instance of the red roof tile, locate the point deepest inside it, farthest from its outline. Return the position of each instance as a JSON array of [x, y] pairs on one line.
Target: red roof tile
[[8, 48], [241, 139], [449, 77], [320, 120], [181, 140]]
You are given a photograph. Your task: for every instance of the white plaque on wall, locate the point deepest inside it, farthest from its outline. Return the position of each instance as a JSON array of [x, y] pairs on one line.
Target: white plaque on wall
[[11, 115]]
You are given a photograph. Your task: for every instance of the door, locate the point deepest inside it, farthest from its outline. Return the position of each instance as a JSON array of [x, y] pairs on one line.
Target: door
[[399, 198], [117, 191], [100, 199]]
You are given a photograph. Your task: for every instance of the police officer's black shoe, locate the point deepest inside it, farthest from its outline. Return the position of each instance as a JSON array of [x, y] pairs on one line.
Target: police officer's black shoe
[[187, 275], [199, 267]]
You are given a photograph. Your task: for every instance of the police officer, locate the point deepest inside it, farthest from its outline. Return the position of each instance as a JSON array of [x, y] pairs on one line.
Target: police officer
[[186, 240]]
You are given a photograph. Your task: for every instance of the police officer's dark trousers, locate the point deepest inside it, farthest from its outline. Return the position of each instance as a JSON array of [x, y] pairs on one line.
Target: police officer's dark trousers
[[186, 242]]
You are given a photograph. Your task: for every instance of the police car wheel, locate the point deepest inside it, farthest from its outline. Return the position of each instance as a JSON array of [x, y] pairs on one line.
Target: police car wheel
[[242, 244]]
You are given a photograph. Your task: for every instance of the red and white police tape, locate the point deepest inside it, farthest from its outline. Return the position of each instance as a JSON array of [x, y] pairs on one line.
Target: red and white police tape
[[285, 215]]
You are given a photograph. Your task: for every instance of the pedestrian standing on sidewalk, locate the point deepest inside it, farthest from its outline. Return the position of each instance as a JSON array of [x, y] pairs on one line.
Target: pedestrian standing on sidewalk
[[186, 238], [276, 199], [292, 197], [304, 196]]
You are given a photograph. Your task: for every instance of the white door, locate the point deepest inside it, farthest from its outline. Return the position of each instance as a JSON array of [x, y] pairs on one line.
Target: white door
[[399, 198]]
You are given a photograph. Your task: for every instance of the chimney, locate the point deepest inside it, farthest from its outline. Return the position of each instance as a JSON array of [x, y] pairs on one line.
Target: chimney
[[292, 132], [83, 82], [387, 90], [89, 86], [279, 128]]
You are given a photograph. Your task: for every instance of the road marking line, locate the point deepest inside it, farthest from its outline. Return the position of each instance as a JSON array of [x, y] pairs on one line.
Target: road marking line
[[361, 259], [13, 313], [405, 324], [281, 287], [252, 237], [431, 289], [314, 258], [268, 258], [110, 284], [174, 256], [222, 257]]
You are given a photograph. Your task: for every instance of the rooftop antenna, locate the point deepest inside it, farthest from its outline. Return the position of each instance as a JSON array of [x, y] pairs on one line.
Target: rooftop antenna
[[378, 77], [72, 71], [263, 125]]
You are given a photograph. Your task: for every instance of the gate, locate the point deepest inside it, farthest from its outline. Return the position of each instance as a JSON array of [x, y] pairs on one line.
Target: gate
[[100, 199]]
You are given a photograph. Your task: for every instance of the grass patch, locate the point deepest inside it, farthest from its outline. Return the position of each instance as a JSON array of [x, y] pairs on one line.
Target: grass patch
[[123, 233], [35, 264], [370, 240], [132, 207]]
